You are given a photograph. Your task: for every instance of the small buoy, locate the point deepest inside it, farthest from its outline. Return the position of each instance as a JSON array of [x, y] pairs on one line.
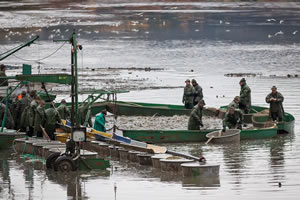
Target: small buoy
[[279, 184], [211, 87], [192, 70], [216, 96]]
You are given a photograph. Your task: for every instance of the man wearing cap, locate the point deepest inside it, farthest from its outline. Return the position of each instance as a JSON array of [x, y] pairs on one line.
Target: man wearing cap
[[235, 103], [188, 95], [195, 120], [99, 124], [275, 100], [63, 110], [233, 119], [198, 95], [245, 97]]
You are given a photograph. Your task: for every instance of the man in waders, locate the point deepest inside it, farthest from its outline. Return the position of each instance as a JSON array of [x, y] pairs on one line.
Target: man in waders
[[188, 95], [198, 95], [31, 115], [195, 120], [235, 103], [233, 119], [275, 100], [52, 117], [20, 109], [63, 110], [40, 119], [245, 97]]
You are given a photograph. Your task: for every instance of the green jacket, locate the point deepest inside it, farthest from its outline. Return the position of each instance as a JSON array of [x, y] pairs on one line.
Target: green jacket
[[195, 119], [276, 106], [52, 116], [83, 114], [31, 112], [188, 94], [233, 120], [64, 111], [20, 109], [99, 124], [40, 119], [198, 94], [9, 118], [245, 96]]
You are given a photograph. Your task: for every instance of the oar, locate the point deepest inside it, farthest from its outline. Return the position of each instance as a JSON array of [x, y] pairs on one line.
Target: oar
[[209, 139], [183, 155], [45, 133], [220, 133]]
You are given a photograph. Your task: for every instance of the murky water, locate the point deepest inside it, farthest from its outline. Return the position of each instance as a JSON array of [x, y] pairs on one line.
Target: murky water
[[181, 40]]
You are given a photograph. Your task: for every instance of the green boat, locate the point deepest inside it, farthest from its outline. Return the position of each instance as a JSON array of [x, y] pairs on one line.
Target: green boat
[[177, 136], [7, 137]]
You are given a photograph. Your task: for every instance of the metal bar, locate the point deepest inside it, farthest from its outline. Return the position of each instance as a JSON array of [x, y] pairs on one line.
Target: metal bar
[[10, 52], [5, 113]]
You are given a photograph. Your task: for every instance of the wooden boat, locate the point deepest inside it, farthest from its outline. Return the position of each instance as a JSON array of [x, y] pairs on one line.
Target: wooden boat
[[7, 138], [177, 136], [231, 136]]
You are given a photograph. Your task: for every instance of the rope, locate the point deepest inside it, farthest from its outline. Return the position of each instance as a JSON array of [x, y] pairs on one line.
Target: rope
[[41, 58]]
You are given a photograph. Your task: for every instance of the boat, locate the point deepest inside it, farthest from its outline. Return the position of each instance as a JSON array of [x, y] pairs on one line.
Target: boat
[[179, 136], [231, 136], [8, 136]]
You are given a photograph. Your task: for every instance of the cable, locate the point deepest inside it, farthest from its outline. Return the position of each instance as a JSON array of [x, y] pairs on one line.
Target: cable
[[41, 58]]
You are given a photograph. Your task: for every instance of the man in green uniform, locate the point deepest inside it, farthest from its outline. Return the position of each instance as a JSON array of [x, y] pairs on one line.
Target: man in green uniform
[[188, 95], [20, 108], [99, 124], [85, 115], [31, 115], [195, 120], [235, 103], [40, 119], [3, 82], [52, 117], [198, 95], [275, 100], [245, 97], [233, 119], [63, 110]]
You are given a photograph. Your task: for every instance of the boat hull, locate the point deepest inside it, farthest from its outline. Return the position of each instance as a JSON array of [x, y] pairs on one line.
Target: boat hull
[[178, 136], [6, 139]]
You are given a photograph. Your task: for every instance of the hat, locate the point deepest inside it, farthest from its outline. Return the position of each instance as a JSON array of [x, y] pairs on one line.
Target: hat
[[274, 87], [201, 102], [243, 80], [194, 81], [187, 80]]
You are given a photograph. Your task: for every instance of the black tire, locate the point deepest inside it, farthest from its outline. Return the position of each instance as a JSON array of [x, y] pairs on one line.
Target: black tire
[[51, 159], [64, 164]]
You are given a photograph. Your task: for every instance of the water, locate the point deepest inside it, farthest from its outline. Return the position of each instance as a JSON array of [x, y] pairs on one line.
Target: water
[[201, 40]]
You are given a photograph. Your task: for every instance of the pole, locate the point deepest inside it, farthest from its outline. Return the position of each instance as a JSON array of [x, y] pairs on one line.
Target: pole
[[72, 91], [74, 43], [5, 113]]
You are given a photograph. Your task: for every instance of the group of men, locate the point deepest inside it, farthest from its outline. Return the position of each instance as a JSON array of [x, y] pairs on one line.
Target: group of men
[[192, 94], [28, 114], [236, 109]]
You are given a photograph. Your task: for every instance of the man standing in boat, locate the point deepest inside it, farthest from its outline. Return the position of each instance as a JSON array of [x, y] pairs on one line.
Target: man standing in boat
[[275, 100], [198, 95], [195, 120], [31, 115], [20, 108], [3, 82], [52, 117], [188, 95], [233, 119], [245, 97]]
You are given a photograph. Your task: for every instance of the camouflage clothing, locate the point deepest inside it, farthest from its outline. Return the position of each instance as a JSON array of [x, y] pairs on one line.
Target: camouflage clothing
[[64, 111], [234, 120], [188, 96], [9, 119], [276, 107], [198, 95], [245, 98], [20, 108], [31, 113], [52, 117], [40, 119], [83, 111], [195, 120], [234, 105]]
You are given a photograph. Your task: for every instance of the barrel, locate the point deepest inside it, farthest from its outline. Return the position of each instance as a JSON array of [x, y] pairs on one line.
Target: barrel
[[156, 159], [171, 164], [194, 169]]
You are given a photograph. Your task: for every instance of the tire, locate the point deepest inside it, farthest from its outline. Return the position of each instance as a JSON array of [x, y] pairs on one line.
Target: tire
[[51, 159], [64, 164]]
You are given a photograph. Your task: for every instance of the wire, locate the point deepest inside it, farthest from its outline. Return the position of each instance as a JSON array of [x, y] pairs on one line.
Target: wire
[[41, 58]]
